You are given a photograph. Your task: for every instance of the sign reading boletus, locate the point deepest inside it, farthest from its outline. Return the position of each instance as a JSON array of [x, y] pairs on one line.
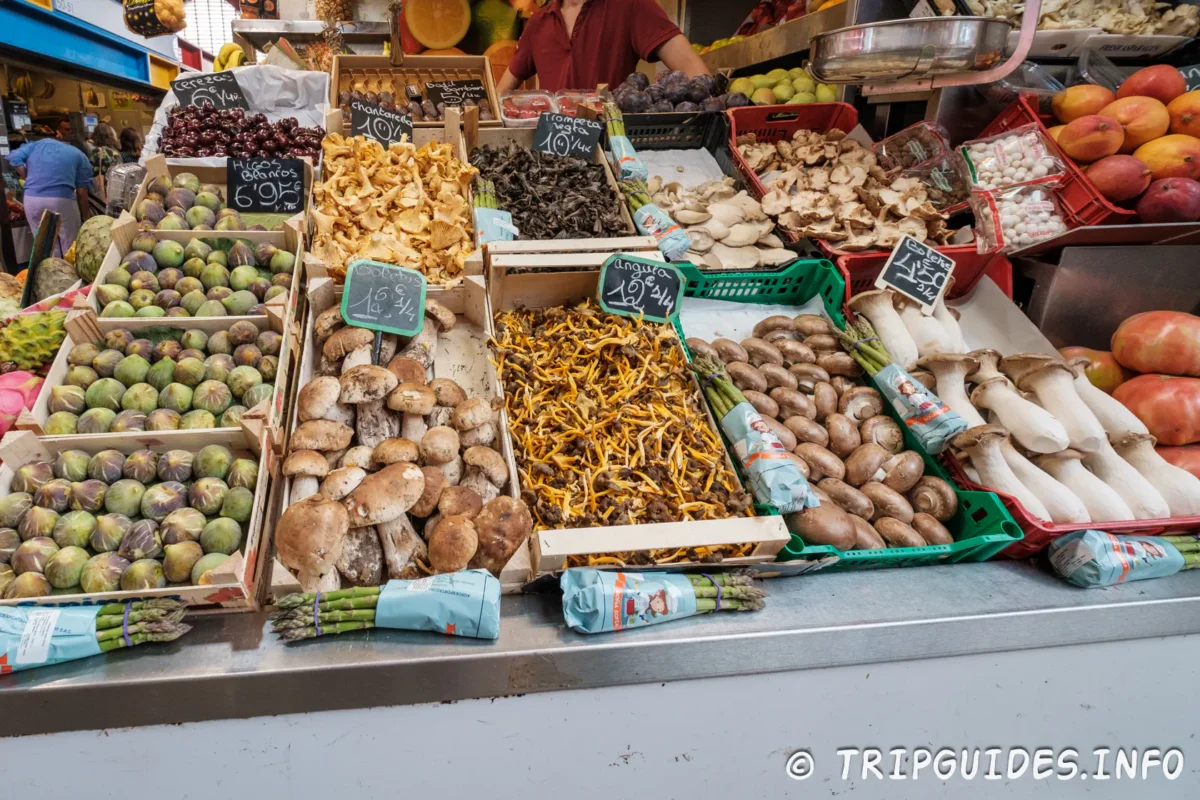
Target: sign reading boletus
[[384, 298]]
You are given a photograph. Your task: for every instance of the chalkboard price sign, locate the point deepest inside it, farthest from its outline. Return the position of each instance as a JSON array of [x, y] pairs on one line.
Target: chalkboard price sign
[[917, 271], [632, 286], [219, 88], [376, 122], [384, 297], [456, 93], [1192, 76], [561, 135], [267, 185]]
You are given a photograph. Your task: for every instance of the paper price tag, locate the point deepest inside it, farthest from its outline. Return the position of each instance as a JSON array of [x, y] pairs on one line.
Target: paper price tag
[[34, 646]]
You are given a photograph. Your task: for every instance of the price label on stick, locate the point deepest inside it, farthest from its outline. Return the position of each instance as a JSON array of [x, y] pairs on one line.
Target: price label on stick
[[917, 271], [456, 93], [376, 122], [561, 135], [384, 297], [219, 88], [268, 185], [632, 286]]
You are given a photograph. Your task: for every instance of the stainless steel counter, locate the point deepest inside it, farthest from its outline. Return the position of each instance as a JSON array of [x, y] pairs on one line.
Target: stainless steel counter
[[229, 667]]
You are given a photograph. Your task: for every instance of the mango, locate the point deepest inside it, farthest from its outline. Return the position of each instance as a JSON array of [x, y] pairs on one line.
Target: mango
[[1162, 82], [1080, 101], [1185, 113], [1091, 138], [1119, 178], [1142, 118], [1174, 156]]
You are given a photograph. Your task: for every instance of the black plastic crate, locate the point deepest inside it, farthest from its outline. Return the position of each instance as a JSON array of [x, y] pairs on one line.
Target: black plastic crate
[[683, 130]]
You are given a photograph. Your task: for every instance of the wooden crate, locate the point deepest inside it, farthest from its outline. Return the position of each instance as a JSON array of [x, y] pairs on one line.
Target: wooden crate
[[157, 165], [266, 415], [524, 137], [235, 584], [551, 548], [378, 73], [125, 229], [462, 356], [551, 256]]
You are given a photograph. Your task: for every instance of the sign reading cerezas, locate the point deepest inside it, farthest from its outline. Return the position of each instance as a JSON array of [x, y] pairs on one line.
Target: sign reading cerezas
[[384, 297], [561, 135], [918, 271], [268, 185], [632, 287], [376, 122], [219, 88]]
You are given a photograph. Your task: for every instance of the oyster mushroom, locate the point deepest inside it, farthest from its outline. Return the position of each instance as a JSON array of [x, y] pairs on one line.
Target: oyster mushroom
[[950, 371], [1033, 426]]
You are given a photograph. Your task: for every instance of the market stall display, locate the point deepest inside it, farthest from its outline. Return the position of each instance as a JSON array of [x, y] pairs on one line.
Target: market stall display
[[405, 86]]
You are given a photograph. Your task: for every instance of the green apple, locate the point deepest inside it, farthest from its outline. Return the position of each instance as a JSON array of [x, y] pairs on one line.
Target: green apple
[[804, 83], [763, 97], [802, 98], [826, 93], [783, 92]]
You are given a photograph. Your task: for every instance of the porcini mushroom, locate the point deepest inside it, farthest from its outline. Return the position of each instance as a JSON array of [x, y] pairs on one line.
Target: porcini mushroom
[[385, 495], [392, 451], [309, 537], [471, 414], [453, 470], [346, 341], [320, 434], [950, 370], [982, 446], [414, 401], [501, 528], [357, 456], [431, 493], [342, 481], [1031, 425], [448, 392], [421, 348], [482, 436], [326, 323], [876, 306], [365, 384], [453, 544], [361, 562], [460, 501], [1101, 502], [1180, 488], [1053, 383], [317, 398], [304, 467], [441, 315], [490, 463], [439, 445], [407, 370], [374, 423], [401, 547]]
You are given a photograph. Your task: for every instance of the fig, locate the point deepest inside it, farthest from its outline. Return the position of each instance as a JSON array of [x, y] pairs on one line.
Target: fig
[[118, 339], [62, 423], [197, 419], [238, 504], [232, 418], [29, 477], [221, 343], [31, 584], [182, 525], [175, 465], [162, 374], [217, 367], [88, 495], [55, 494], [38, 522], [33, 554], [66, 398], [65, 567], [124, 497], [83, 354], [96, 420], [128, 420], [102, 573], [194, 339], [241, 332], [243, 379], [105, 364], [71, 465], [205, 565], [213, 397], [256, 394], [143, 575], [12, 507], [169, 277], [221, 535], [211, 308], [268, 367], [176, 397], [107, 466], [80, 376], [74, 529], [163, 419], [213, 461], [141, 466], [207, 494], [163, 498], [109, 532], [140, 397], [105, 393], [243, 473], [179, 560]]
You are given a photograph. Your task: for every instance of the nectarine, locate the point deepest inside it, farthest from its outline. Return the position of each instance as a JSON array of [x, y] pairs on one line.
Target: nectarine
[[1143, 119], [1162, 82], [1185, 113], [1079, 101], [1091, 138], [1174, 156], [1119, 178]]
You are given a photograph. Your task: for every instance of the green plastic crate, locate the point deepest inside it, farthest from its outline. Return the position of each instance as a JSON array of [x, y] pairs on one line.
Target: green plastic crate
[[981, 527]]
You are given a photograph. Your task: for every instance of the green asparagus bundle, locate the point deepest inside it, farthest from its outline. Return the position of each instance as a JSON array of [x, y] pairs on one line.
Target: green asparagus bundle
[[606, 601], [613, 120], [718, 388], [485, 194], [736, 591], [861, 342], [156, 620], [636, 193]]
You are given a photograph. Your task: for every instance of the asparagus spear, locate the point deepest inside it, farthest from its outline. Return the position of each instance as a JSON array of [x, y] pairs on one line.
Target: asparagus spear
[[144, 638], [141, 605], [348, 604], [296, 634], [704, 605], [104, 621], [861, 342], [306, 620], [306, 598]]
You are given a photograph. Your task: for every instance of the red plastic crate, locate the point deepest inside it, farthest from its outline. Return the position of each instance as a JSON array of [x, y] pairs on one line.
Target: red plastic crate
[[861, 269], [1039, 534], [773, 123], [1081, 202]]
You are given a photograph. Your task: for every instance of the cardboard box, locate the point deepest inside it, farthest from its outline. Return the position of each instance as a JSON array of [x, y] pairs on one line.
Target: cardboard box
[[235, 584], [378, 74], [551, 548], [462, 355]]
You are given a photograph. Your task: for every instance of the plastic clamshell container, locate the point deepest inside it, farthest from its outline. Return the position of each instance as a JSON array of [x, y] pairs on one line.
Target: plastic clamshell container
[[521, 109], [568, 101]]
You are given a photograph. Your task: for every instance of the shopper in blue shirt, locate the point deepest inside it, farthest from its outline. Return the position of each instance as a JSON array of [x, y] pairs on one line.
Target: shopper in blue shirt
[[57, 176]]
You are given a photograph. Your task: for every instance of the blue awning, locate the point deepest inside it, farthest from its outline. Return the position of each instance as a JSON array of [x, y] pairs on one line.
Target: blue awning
[[74, 46]]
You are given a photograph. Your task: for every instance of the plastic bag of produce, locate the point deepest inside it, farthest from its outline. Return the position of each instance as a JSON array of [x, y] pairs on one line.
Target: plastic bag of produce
[[930, 420], [947, 182], [1094, 558], [916, 144], [598, 601], [1021, 155], [672, 240], [1015, 218], [463, 603]]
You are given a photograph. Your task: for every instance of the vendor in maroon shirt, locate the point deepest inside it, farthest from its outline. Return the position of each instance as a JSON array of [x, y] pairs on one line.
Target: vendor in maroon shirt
[[577, 44]]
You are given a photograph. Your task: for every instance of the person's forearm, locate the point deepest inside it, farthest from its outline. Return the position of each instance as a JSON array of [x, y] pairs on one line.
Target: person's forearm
[[81, 196], [677, 53], [508, 82]]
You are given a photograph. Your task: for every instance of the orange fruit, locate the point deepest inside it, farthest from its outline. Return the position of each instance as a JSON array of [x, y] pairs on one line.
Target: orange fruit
[[500, 54], [526, 7], [438, 24], [445, 51]]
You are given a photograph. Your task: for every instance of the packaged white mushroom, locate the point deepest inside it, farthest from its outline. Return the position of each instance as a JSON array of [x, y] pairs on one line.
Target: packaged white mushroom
[[1013, 157], [1015, 218], [414, 465]]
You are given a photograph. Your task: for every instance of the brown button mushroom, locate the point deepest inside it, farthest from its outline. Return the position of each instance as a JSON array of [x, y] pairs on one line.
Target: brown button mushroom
[[808, 375], [385, 495], [897, 533], [321, 434], [490, 463], [793, 403], [864, 464], [745, 376], [702, 349], [821, 343], [861, 403], [305, 467], [392, 451], [366, 384], [452, 545], [341, 482], [801, 464], [794, 352], [778, 376], [825, 524], [431, 493], [851, 500], [346, 341], [361, 562], [317, 398], [821, 462], [443, 316], [761, 352], [825, 400], [459, 501], [730, 351], [866, 537], [841, 384], [407, 370], [901, 472], [439, 445], [884, 432], [931, 530], [777, 322], [839, 363], [471, 414], [805, 430], [812, 324], [887, 502], [309, 537], [448, 392], [935, 497], [762, 403], [843, 435]]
